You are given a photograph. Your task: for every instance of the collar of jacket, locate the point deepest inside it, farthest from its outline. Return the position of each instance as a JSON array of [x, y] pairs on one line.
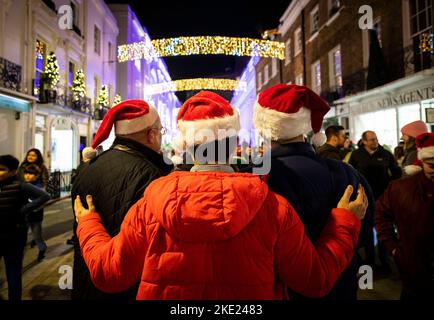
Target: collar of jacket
[[154, 157], [298, 148], [210, 167]]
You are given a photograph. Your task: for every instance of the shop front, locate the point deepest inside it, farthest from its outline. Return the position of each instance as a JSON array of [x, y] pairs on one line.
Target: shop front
[[388, 108]]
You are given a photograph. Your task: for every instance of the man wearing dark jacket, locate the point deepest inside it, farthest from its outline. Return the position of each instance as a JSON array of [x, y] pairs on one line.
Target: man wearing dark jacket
[[335, 147], [408, 205], [117, 178], [312, 184], [379, 167], [14, 207]]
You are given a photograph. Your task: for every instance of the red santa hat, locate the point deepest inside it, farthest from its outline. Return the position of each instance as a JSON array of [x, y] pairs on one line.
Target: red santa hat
[[207, 113], [415, 128], [425, 146], [128, 117], [288, 111]]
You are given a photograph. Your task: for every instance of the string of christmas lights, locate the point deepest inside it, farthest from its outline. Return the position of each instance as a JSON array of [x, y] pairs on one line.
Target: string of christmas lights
[[118, 99], [195, 84], [201, 45]]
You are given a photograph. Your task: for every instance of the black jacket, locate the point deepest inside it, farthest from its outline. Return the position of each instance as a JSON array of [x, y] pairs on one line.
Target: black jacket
[[15, 206], [313, 186], [378, 168], [116, 179], [328, 151]]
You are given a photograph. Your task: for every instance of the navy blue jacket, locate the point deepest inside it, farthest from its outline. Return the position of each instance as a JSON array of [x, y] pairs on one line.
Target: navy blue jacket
[[314, 185]]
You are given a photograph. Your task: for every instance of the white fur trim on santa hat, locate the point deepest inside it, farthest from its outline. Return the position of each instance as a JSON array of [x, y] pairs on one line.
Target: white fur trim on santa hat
[[137, 124], [411, 170], [282, 126], [194, 132], [425, 153]]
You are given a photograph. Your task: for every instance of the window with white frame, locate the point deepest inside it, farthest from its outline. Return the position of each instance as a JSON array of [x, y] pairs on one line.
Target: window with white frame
[[316, 77], [314, 20], [335, 68], [299, 80], [274, 63], [75, 14], [259, 79], [97, 40], [334, 6], [288, 51], [298, 42], [421, 33], [71, 71], [266, 73]]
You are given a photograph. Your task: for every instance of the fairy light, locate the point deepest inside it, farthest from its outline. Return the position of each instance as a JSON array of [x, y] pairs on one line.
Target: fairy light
[[195, 84], [201, 45]]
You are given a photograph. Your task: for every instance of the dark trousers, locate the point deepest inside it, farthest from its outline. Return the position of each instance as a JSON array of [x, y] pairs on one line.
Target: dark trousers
[[12, 251]]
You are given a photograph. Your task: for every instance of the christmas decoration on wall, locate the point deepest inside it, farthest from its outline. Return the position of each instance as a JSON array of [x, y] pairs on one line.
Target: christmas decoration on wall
[[78, 85], [201, 45], [51, 70], [103, 96], [426, 41], [195, 84], [118, 99]]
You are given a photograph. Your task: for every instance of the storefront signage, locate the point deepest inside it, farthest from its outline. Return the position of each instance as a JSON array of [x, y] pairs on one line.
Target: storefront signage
[[429, 115], [403, 98], [15, 104]]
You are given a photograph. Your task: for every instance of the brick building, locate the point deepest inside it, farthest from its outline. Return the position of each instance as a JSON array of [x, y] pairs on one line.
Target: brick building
[[328, 48]]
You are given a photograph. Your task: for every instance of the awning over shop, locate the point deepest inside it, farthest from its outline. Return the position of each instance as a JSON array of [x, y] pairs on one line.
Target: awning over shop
[[12, 103]]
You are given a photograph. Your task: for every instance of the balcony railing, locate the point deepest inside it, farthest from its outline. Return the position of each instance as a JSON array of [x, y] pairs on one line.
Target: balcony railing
[[10, 75], [64, 97]]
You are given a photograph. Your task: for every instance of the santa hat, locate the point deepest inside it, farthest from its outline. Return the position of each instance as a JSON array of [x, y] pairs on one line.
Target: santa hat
[[415, 128], [128, 117], [425, 146], [207, 113], [288, 111]]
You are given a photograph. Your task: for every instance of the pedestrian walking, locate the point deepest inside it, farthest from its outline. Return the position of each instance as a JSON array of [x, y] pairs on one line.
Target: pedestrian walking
[[14, 206], [404, 222]]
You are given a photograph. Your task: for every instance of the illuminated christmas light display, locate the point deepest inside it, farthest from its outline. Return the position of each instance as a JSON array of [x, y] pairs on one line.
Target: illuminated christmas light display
[[51, 70], [118, 99], [103, 96], [201, 45], [78, 85], [195, 84], [426, 41]]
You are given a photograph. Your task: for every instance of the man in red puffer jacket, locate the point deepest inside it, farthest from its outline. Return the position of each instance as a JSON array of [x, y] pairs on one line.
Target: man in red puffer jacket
[[212, 233]]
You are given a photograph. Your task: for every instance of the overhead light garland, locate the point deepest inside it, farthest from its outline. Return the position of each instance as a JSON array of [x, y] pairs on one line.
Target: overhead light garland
[[195, 84], [201, 45]]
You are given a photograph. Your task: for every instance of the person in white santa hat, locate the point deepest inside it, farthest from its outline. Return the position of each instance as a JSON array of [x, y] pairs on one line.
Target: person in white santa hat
[[312, 184], [118, 177], [404, 220], [213, 233]]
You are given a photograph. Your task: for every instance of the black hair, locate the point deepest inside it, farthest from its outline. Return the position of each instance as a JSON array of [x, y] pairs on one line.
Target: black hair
[[333, 131], [9, 162], [39, 161], [32, 169]]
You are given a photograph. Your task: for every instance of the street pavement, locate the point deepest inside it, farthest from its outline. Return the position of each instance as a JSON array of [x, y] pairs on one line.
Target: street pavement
[[41, 280]]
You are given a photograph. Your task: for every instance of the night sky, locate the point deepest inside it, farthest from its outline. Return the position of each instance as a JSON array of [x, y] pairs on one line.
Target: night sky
[[164, 19]]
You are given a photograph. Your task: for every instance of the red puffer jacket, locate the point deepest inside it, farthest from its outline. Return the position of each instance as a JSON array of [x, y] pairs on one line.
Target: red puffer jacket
[[216, 235]]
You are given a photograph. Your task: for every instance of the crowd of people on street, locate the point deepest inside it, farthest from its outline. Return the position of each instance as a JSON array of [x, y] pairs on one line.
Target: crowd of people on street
[[205, 226]]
